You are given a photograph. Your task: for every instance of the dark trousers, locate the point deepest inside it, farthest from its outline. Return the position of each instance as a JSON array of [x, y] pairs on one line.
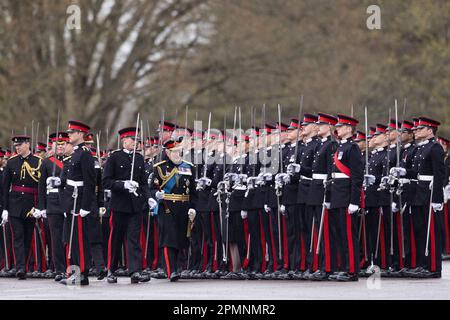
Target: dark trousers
[[344, 237], [307, 220], [122, 224], [21, 234], [196, 246], [410, 242], [56, 226], [170, 260], [420, 215], [80, 251]]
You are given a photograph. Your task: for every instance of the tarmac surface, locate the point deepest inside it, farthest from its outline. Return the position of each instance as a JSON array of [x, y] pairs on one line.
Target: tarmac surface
[[365, 289]]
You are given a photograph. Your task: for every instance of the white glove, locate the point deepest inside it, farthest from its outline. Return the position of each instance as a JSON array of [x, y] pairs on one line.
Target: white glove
[[36, 213], [327, 205], [84, 213], [369, 179], [267, 176], [243, 214], [5, 216], [65, 215], [437, 206], [53, 182], [131, 186], [293, 168], [447, 192], [102, 211], [206, 181], [152, 203], [266, 208], [282, 178], [44, 214], [397, 171], [282, 209], [192, 213], [352, 208], [394, 207], [160, 195]]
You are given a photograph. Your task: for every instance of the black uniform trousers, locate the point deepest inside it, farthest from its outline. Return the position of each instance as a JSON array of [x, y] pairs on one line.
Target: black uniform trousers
[[80, 251], [321, 261], [270, 224], [306, 225], [56, 227], [420, 216], [292, 242], [344, 240], [196, 245], [21, 234], [96, 240], [209, 245], [257, 242], [121, 224]]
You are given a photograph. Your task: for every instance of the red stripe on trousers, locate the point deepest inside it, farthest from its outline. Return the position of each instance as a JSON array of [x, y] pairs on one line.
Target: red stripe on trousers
[[155, 245], [382, 247], [351, 255], [302, 254], [12, 244], [413, 245], [285, 244], [44, 245], [432, 244], [80, 243], [246, 232], [143, 244], [166, 256], [326, 239], [263, 242], [111, 229], [315, 255], [214, 241], [67, 257], [32, 252], [447, 233], [272, 242], [399, 241]]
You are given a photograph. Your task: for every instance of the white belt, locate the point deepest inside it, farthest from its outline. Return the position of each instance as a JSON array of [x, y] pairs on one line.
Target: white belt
[[339, 175], [424, 178], [404, 181], [319, 176], [75, 183], [305, 178], [52, 191]]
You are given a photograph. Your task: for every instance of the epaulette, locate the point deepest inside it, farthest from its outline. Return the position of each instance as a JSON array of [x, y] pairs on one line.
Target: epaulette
[[68, 158], [115, 151], [13, 157], [85, 148], [157, 164], [189, 163]]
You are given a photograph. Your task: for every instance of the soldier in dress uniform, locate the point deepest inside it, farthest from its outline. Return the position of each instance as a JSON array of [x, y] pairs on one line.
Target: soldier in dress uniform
[[20, 178], [173, 196], [445, 143], [5, 236], [316, 205], [78, 181], [127, 202], [345, 197], [50, 202]]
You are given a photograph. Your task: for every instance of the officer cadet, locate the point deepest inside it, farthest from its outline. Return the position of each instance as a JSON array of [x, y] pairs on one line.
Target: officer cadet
[[78, 181], [316, 205], [361, 141], [445, 143], [302, 172], [95, 221], [50, 202], [174, 197], [345, 196], [290, 200], [429, 169], [21, 177], [128, 195], [40, 150], [5, 236]]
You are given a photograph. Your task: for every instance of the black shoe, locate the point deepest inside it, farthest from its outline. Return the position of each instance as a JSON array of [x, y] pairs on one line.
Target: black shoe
[[284, 276], [185, 274], [120, 272], [297, 275], [243, 275], [174, 277], [82, 280], [12, 273], [231, 276], [426, 274], [395, 274], [334, 275], [346, 277], [59, 277], [267, 275], [21, 275], [102, 274], [319, 275], [4, 273], [93, 272], [306, 275], [211, 275], [111, 278], [36, 275], [138, 277], [49, 274]]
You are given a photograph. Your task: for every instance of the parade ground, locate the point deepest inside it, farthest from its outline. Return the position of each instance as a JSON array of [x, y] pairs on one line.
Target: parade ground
[[364, 289]]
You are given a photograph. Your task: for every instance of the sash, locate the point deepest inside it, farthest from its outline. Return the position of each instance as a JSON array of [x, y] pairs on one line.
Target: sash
[[342, 167], [58, 163]]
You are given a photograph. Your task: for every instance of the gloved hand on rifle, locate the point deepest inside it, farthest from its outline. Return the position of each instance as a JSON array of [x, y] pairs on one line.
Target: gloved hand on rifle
[[53, 182], [369, 180], [397, 172], [437, 207], [4, 216], [243, 214], [36, 213], [352, 208], [131, 186], [192, 213], [293, 168]]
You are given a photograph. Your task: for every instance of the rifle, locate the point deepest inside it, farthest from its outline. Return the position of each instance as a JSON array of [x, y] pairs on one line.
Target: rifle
[[54, 148]]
